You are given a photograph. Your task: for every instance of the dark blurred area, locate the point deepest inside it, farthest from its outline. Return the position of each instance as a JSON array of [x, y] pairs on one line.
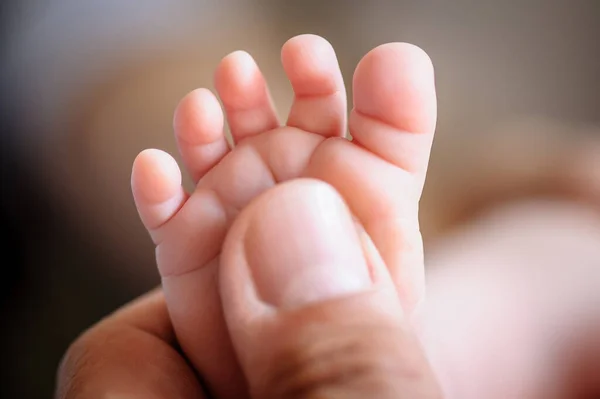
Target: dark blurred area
[[86, 85]]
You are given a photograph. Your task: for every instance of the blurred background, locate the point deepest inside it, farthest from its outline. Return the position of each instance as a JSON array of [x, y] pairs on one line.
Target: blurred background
[[86, 85]]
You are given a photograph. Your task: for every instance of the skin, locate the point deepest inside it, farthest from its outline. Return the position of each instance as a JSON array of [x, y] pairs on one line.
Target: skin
[[345, 337], [482, 348], [394, 108], [334, 300]]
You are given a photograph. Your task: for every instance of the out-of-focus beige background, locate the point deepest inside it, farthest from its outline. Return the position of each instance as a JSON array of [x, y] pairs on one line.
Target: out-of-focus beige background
[[88, 84]]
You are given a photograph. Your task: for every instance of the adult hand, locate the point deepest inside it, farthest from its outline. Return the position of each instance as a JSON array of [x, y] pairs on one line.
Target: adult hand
[[310, 308]]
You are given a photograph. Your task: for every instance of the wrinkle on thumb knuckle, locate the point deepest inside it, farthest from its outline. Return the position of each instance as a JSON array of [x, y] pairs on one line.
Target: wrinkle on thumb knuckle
[[371, 360]]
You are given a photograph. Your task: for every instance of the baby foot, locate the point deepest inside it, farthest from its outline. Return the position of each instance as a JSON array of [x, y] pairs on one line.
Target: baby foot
[[380, 173]]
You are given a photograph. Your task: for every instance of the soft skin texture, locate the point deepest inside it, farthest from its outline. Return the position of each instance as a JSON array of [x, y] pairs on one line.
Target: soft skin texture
[[307, 288], [380, 174], [476, 339], [331, 326]]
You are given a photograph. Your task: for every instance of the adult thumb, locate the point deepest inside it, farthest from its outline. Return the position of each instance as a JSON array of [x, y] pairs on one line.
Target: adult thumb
[[310, 307]]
